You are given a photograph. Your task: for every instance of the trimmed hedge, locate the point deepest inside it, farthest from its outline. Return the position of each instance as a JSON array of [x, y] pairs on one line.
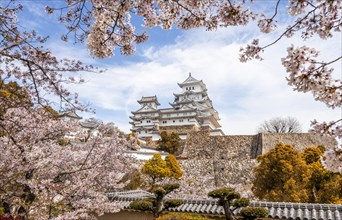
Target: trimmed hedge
[[143, 205], [242, 202], [226, 193], [250, 213], [173, 203]]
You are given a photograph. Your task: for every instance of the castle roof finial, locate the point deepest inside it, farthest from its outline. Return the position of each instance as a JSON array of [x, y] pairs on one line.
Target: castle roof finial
[[189, 73]]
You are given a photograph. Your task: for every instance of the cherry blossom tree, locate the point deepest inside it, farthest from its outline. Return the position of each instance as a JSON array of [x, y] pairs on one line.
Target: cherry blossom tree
[[43, 175]]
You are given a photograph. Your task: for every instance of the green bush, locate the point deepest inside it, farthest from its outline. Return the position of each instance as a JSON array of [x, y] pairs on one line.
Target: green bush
[[169, 142], [173, 203], [253, 213], [224, 193], [182, 216], [2, 211], [169, 187], [143, 205], [242, 202], [159, 192]]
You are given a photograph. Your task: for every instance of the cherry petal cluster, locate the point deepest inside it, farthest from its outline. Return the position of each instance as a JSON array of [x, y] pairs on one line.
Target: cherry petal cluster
[[266, 25], [333, 128], [107, 24], [306, 74], [333, 160], [234, 15], [319, 17], [251, 51]]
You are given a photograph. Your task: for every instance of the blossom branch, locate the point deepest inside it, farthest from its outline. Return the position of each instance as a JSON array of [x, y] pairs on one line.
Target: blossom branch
[[275, 10]]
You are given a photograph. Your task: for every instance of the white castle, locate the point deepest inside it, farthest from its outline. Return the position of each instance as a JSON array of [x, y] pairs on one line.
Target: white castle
[[192, 109]]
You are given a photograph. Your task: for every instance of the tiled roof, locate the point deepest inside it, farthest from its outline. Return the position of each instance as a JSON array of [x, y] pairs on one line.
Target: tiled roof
[[149, 99], [190, 79], [278, 210], [301, 210], [130, 195], [146, 153], [200, 206], [89, 124], [70, 114]]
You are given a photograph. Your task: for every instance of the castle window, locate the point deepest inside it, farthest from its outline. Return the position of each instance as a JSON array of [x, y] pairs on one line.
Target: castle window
[[148, 121], [174, 121], [180, 120], [164, 122], [193, 88]]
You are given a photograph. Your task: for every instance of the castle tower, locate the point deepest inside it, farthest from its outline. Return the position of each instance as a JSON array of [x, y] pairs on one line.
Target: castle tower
[[191, 109], [145, 121], [194, 96]]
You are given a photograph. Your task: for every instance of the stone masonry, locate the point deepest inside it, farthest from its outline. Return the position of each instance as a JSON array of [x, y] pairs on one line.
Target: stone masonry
[[231, 159]]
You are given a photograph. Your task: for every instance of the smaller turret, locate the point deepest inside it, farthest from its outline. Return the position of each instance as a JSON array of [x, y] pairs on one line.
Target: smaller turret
[[150, 101]]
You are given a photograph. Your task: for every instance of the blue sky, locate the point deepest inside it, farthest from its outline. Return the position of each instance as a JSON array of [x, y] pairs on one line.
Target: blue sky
[[244, 94]]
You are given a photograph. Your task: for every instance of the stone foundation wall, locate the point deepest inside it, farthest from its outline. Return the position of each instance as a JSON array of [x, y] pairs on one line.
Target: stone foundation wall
[[299, 141], [199, 145], [230, 160], [225, 160]]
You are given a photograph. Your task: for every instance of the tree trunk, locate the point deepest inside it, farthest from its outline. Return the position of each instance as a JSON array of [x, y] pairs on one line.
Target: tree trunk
[[228, 213], [314, 190], [158, 209]]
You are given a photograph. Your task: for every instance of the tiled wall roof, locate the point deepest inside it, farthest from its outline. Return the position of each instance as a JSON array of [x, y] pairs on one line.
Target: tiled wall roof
[[301, 210], [278, 210], [129, 195]]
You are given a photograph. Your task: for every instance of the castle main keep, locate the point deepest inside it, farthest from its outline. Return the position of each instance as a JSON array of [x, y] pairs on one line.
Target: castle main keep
[[191, 109]]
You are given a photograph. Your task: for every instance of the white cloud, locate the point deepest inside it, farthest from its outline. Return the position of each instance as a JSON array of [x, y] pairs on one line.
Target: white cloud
[[244, 94]]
